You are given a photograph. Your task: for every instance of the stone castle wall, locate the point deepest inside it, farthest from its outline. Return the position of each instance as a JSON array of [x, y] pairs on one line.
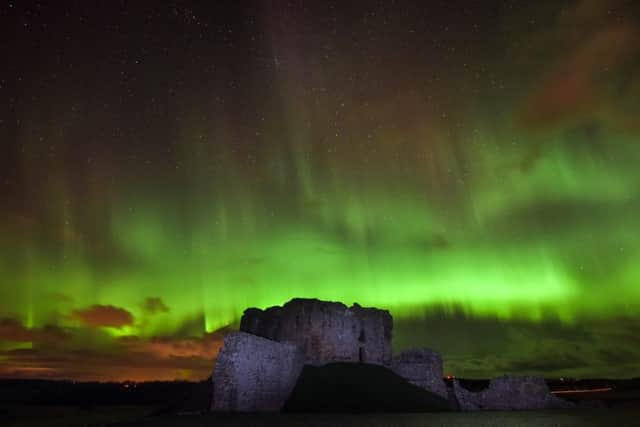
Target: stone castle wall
[[421, 367], [509, 393], [253, 374], [326, 331]]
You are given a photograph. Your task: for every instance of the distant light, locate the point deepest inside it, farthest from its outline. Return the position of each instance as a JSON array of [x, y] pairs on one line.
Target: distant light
[[587, 390]]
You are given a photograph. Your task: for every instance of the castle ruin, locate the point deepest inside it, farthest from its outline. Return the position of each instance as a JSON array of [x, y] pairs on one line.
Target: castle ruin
[[258, 367], [325, 331]]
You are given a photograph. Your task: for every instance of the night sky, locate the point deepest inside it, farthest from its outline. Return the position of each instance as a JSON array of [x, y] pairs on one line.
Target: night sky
[[472, 166]]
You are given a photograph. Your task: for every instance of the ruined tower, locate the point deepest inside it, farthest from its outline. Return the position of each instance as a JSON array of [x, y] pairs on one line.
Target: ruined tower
[[326, 331]]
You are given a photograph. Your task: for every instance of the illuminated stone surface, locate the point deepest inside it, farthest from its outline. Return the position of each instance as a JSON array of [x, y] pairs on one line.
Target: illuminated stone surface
[[253, 374], [422, 367], [326, 331], [509, 393]]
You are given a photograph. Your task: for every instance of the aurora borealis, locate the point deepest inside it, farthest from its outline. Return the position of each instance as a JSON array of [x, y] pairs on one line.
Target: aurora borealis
[[470, 166]]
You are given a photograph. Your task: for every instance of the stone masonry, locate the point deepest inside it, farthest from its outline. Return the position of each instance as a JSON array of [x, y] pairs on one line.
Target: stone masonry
[[421, 367], [509, 393], [326, 331], [253, 374]]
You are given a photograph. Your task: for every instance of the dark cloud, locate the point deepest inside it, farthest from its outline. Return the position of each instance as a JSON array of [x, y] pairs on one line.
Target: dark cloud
[[60, 297], [12, 330], [103, 316], [539, 362], [614, 356], [191, 326], [155, 305], [481, 347], [560, 216], [378, 237]]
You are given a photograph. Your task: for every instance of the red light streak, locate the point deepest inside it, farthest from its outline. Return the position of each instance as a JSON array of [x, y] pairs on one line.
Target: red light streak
[[589, 390]]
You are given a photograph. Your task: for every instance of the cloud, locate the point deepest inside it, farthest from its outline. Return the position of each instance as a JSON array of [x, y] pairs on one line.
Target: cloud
[[155, 305], [103, 316], [137, 358], [60, 297], [95, 365], [207, 346], [612, 356], [13, 330], [482, 347], [547, 361], [561, 218], [471, 347], [89, 353]]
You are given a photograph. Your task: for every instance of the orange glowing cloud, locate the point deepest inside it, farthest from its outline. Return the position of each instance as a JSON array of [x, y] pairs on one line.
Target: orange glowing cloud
[[103, 316], [206, 347], [127, 358]]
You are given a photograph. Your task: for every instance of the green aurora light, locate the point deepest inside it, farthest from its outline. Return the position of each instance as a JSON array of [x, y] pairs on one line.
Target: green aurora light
[[417, 190]]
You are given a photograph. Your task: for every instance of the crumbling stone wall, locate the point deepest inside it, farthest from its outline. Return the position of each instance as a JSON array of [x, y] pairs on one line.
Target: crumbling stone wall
[[510, 393], [254, 374], [466, 400], [326, 331], [374, 337], [257, 369], [421, 367]]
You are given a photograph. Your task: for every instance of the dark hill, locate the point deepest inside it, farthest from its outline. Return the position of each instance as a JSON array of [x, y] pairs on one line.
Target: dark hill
[[357, 387]]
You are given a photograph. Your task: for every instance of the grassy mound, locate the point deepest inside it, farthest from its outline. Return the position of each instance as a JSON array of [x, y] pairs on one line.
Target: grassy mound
[[352, 387]]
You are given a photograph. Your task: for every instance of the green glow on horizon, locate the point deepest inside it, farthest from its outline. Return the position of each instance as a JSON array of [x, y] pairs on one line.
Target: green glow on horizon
[[371, 245]]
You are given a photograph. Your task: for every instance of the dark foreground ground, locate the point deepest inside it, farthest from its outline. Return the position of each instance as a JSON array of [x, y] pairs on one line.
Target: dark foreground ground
[[140, 416], [54, 403]]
